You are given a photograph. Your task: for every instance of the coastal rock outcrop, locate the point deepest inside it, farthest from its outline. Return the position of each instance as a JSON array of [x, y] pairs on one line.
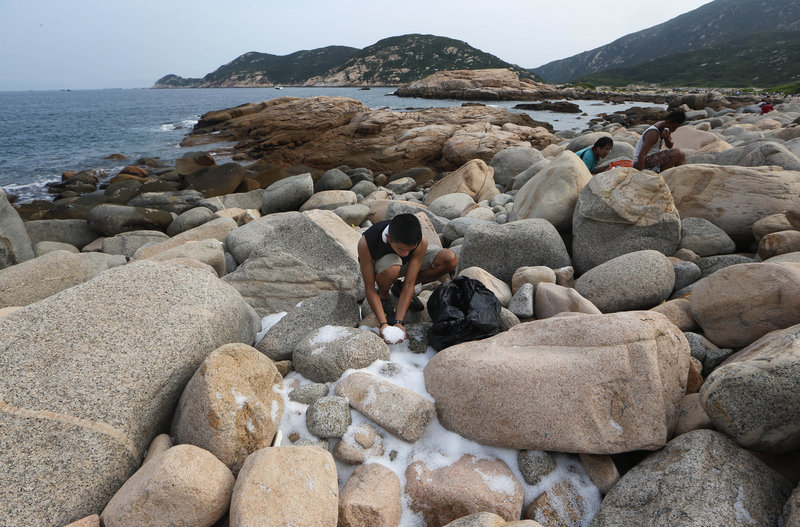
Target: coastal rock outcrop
[[487, 84]]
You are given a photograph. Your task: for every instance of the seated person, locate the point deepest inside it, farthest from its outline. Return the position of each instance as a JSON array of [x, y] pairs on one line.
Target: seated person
[[766, 105], [592, 154], [394, 248], [648, 153]]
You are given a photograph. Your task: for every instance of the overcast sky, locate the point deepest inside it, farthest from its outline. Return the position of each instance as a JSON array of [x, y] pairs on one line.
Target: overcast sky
[[83, 44]]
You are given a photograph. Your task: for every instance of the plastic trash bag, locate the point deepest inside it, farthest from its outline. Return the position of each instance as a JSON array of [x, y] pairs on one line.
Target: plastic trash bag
[[462, 310]]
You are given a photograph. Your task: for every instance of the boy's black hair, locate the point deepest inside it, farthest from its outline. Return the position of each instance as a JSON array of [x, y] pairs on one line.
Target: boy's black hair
[[603, 141], [405, 229], [677, 117]]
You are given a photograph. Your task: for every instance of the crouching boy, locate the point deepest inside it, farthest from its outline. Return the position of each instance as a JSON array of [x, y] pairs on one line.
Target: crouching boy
[[396, 248]]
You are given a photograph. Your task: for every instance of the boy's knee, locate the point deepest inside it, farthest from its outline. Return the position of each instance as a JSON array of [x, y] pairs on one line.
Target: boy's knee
[[390, 274], [449, 260]]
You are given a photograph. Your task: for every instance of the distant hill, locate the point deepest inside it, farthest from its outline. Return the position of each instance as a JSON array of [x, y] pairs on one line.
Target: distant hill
[[764, 59], [407, 58], [391, 61], [263, 69], [716, 22]]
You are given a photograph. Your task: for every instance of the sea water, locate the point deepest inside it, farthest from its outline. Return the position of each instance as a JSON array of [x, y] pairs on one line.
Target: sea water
[[45, 133]]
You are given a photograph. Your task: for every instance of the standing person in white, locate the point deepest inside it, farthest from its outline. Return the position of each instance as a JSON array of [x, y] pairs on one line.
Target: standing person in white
[[648, 153]]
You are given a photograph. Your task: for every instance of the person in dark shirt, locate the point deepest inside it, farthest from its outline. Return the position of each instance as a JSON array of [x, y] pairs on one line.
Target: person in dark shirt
[[394, 248]]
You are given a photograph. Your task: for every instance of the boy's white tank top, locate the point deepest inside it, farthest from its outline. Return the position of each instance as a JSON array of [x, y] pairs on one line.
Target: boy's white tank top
[[655, 148]]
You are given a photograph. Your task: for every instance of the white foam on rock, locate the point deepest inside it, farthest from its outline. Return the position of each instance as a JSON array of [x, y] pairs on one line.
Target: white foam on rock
[[393, 335], [438, 447], [267, 322]]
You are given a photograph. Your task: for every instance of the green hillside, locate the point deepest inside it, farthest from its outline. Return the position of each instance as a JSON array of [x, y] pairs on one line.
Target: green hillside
[[716, 22], [406, 58], [765, 59]]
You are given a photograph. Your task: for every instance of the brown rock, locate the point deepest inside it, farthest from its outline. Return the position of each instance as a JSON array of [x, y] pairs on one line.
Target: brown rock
[[552, 299], [402, 412], [585, 384], [732, 197], [776, 243], [601, 470], [738, 304], [358, 444], [290, 485], [134, 170], [532, 275], [89, 521], [185, 485], [691, 415], [679, 312], [324, 132], [695, 379], [487, 84], [479, 519], [467, 486], [793, 214], [214, 229], [561, 505], [565, 276], [475, 179], [771, 223], [229, 407], [371, 497], [160, 443]]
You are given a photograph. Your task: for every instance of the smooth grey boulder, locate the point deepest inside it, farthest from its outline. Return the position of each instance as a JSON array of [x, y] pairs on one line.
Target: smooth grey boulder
[[711, 264], [333, 179], [331, 308], [622, 211], [704, 238], [585, 140], [109, 219], [73, 232], [526, 175], [328, 417], [178, 201], [294, 256], [455, 229], [700, 479], [502, 249], [522, 302], [404, 207], [637, 280], [209, 252], [353, 214], [331, 350], [753, 395], [189, 220], [509, 162], [763, 153], [238, 200], [706, 352], [43, 248], [287, 194], [364, 188], [82, 401], [685, 273], [309, 393], [44, 276], [217, 229], [450, 206], [127, 243], [15, 244]]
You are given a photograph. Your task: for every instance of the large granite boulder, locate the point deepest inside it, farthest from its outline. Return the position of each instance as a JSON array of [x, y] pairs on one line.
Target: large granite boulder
[[331, 350], [470, 485], [372, 496], [701, 479], [287, 194], [215, 180], [511, 161], [47, 275], [230, 407], [732, 197], [15, 244], [213, 230], [127, 243], [521, 243], [704, 238], [637, 280], [73, 232], [475, 179], [489, 83], [294, 256], [290, 485], [553, 192], [622, 211], [189, 220], [110, 219], [741, 303], [597, 384], [753, 395], [331, 308], [178, 201], [185, 485], [81, 401]]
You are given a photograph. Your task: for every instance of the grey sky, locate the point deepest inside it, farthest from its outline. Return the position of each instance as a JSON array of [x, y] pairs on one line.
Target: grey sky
[[81, 44]]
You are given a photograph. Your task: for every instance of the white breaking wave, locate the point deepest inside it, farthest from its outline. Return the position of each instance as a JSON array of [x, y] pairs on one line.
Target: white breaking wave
[[183, 125]]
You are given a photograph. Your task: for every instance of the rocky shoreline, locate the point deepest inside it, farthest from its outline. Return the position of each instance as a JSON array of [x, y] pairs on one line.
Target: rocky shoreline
[[190, 344]]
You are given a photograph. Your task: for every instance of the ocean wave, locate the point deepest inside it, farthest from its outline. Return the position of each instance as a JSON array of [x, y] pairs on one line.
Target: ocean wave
[[186, 124]]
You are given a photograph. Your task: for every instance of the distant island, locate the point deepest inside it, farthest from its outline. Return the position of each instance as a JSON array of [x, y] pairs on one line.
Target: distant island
[[725, 43]]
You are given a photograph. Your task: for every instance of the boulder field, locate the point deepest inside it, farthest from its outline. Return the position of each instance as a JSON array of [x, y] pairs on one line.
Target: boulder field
[[190, 345]]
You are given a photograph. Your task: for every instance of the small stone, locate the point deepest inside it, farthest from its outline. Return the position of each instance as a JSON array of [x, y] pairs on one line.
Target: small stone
[[328, 417]]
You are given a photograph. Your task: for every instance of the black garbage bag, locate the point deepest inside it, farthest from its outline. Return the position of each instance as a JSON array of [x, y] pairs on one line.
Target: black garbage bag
[[462, 310]]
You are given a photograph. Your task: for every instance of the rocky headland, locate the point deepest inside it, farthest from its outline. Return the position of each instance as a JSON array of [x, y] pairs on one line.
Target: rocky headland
[[190, 344]]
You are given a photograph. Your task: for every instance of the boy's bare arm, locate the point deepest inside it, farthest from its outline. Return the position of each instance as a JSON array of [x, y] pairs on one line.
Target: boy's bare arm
[[368, 274], [410, 281]]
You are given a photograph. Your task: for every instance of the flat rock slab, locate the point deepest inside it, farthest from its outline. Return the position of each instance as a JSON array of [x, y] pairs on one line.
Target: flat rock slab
[[592, 384], [89, 376]]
